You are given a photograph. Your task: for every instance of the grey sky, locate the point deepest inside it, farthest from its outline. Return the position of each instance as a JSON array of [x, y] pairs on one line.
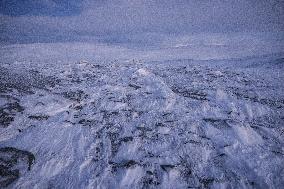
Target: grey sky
[[67, 20]]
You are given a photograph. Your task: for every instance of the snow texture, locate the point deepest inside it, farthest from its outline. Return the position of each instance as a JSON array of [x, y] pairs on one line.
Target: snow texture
[[151, 122]]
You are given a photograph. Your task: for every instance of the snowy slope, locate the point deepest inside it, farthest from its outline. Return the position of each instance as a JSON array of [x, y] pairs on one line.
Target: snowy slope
[[106, 123]]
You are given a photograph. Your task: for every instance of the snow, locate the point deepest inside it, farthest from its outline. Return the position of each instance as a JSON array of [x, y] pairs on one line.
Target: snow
[[115, 119]]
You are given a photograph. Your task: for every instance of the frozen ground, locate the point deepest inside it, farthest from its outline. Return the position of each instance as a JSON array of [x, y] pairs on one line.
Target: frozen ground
[[147, 122]]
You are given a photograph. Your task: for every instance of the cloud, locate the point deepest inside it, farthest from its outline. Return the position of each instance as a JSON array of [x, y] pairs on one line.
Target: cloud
[[40, 7], [115, 18]]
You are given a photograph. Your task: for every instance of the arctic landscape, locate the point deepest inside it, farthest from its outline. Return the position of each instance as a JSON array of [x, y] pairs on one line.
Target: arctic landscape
[[158, 109]]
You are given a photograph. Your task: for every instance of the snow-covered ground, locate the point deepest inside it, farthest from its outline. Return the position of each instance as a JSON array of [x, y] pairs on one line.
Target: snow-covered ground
[[101, 116]]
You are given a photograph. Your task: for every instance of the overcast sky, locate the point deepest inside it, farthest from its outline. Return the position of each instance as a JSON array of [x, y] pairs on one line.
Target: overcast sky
[[82, 19]]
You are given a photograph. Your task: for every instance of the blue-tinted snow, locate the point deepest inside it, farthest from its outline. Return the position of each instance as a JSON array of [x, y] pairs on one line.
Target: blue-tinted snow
[[102, 116]]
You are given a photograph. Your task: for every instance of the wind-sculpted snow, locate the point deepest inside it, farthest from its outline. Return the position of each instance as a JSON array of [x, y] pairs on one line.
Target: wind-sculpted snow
[[169, 124]]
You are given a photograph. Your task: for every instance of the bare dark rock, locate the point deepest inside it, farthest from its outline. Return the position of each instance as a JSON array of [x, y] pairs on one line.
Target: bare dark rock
[[10, 157]]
